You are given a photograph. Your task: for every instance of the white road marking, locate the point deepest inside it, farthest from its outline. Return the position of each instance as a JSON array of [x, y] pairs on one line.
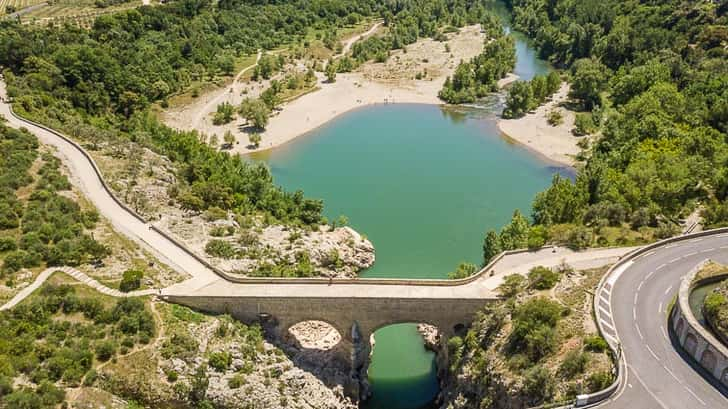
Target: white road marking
[[639, 287], [660, 266], [606, 324], [650, 349], [668, 290], [635, 298], [669, 246], [603, 298], [690, 254], [724, 247], [695, 240], [647, 277], [649, 253], [673, 375], [634, 314], [708, 250], [639, 332], [674, 260], [605, 311], [618, 272], [664, 333], [659, 308], [695, 396]]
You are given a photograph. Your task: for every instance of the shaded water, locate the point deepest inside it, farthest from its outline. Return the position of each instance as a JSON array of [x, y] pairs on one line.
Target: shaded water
[[423, 184], [697, 298]]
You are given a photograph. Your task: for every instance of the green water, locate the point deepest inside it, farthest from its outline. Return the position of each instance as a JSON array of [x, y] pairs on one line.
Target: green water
[[423, 184]]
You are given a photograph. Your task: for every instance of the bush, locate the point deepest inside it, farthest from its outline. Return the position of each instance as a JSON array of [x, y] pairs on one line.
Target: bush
[[595, 344], [538, 384], [598, 381], [220, 361], [131, 280], [511, 286], [534, 325], [236, 381], [220, 248], [542, 278], [573, 364], [555, 117], [464, 270], [7, 244], [584, 125], [105, 350]]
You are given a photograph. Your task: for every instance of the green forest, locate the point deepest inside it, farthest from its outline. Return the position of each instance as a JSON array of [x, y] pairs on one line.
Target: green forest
[[653, 79]]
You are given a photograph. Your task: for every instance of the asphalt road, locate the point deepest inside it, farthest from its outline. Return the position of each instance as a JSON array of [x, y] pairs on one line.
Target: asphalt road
[[658, 376]]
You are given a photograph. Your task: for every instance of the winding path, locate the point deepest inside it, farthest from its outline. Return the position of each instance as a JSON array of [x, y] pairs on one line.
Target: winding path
[[633, 309], [83, 278], [217, 100], [632, 303]]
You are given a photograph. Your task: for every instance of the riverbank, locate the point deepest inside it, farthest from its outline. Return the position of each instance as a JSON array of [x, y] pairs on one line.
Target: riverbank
[[555, 143]]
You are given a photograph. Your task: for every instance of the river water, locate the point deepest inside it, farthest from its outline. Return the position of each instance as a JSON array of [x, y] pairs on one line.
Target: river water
[[423, 183]]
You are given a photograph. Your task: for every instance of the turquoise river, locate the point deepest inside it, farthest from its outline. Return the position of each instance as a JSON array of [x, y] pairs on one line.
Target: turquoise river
[[423, 183]]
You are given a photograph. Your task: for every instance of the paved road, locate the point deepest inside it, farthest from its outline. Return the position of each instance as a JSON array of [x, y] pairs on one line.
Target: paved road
[[658, 377], [85, 178]]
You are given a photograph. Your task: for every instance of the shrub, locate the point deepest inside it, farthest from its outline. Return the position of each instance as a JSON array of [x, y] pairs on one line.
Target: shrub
[[131, 280], [220, 248], [555, 117], [236, 381], [464, 270], [172, 375], [538, 384], [534, 325], [573, 364], [512, 285], [105, 350], [584, 125], [7, 244], [595, 344], [598, 381], [220, 361], [542, 278]]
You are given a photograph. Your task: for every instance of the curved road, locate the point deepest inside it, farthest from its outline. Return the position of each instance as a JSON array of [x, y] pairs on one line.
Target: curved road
[[84, 176], [658, 377]]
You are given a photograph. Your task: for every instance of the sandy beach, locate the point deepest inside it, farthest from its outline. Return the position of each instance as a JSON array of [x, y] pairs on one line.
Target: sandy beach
[[373, 83], [556, 143]]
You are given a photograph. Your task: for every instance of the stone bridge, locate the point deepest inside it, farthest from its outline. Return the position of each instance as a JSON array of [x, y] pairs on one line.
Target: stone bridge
[[356, 308]]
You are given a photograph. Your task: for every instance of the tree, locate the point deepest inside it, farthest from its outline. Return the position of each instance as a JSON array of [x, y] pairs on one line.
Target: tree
[[589, 78], [553, 83], [540, 90], [224, 114], [519, 100], [515, 234], [542, 278], [131, 280], [255, 111], [255, 139], [229, 139], [511, 286], [331, 71], [491, 246], [464, 270]]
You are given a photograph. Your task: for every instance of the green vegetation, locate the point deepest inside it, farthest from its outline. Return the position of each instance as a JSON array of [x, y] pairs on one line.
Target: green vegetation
[[652, 78], [533, 348], [39, 227], [131, 280], [224, 114], [524, 96], [464, 270], [475, 79], [542, 278], [53, 337]]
